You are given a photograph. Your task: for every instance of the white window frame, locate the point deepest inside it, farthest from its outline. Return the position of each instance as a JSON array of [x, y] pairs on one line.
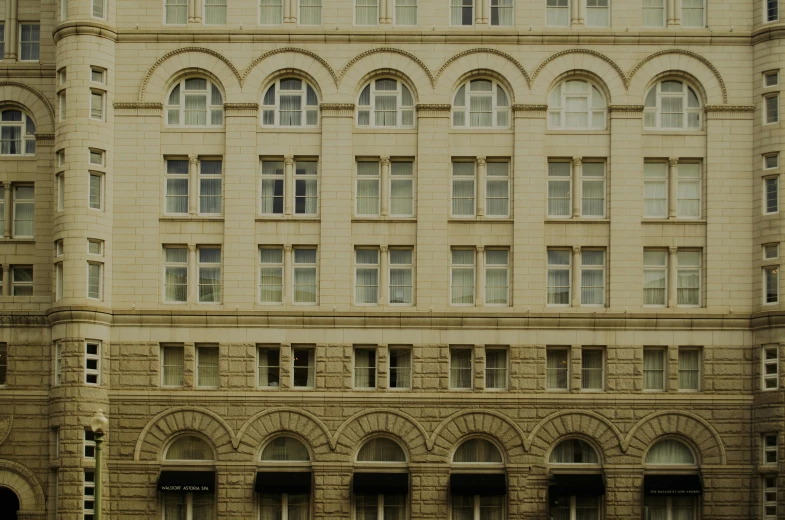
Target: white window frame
[[591, 8], [276, 175], [399, 177], [26, 140], [200, 366], [60, 178], [457, 6], [61, 105], [367, 267], [211, 110], [58, 281], [477, 502], [175, 4], [88, 444], [698, 352], [400, 266], [771, 111], [271, 266], [769, 497], [95, 153], [311, 367], [663, 353], [398, 4], [773, 248], [178, 176], [370, 5], [463, 178], [552, 350], [551, 302], [453, 379], [653, 8], [164, 365], [270, 114], [368, 178], [372, 370], [97, 113], [656, 113], [502, 4], [178, 265], [505, 370], [683, 178], [403, 108], [455, 266], [554, 13], [58, 364], [260, 367], [498, 267], [303, 266], [305, 178], [703, 13], [769, 449], [770, 380], [23, 284], [553, 169], [201, 178], [200, 264], [500, 179], [34, 45], [285, 502], [593, 179], [584, 369], [392, 367], [380, 507], [88, 493], [315, 4], [663, 268], [95, 269], [95, 202], [768, 163], [461, 115], [767, 185], [771, 14], [17, 203], [101, 72], [214, 7], [770, 275], [593, 267], [681, 253]]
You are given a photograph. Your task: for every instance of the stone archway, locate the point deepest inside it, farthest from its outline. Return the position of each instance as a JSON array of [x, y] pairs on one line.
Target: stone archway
[[10, 503]]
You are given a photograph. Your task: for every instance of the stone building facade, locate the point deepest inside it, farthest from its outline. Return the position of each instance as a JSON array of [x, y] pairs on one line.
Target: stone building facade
[[392, 259]]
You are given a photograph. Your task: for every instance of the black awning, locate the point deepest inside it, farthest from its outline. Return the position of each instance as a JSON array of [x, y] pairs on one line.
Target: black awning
[[574, 484], [393, 483], [283, 482], [194, 481], [478, 484], [672, 485]]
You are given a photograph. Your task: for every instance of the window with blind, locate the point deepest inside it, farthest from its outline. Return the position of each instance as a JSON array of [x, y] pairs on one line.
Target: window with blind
[[176, 187], [175, 274], [654, 369], [653, 13], [304, 275], [688, 278], [24, 209], [481, 103], [29, 41], [558, 276], [95, 195], [269, 366], [771, 108], [400, 362], [461, 12], [557, 368], [689, 369], [672, 105], [402, 189], [592, 368], [462, 277], [310, 12], [497, 277], [175, 12], [270, 275], [771, 195], [272, 187], [172, 365], [365, 367], [460, 368], [692, 13], [207, 366], [592, 277], [559, 189], [405, 12], [385, 103], [194, 101], [366, 277], [688, 190], [655, 277], [497, 189], [368, 189], [214, 12], [598, 13], [209, 276], [401, 276], [502, 13], [290, 102], [366, 12], [464, 181], [495, 368], [95, 280], [210, 187], [306, 187], [303, 367], [557, 13], [97, 98]]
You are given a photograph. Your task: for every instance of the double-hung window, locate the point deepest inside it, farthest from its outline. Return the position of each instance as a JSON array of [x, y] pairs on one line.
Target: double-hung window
[[306, 187], [592, 368], [365, 367], [61, 105], [502, 12], [655, 277], [207, 366], [559, 189], [400, 375], [172, 365], [405, 12], [770, 448], [462, 277], [497, 189], [175, 274], [497, 277], [210, 187], [175, 12], [770, 367], [176, 187], [557, 13], [88, 495], [772, 11], [368, 188], [463, 188], [771, 105], [692, 13], [17, 133], [21, 280], [209, 266], [654, 13], [771, 161], [557, 368], [310, 12], [771, 284], [688, 190], [270, 12], [592, 277], [655, 189], [92, 358], [214, 12], [96, 191], [401, 188], [495, 368], [3, 364], [689, 368], [89, 444], [401, 276], [270, 275], [688, 278], [58, 364], [304, 276], [771, 194], [460, 368], [654, 369], [366, 277], [99, 9], [598, 13], [558, 278], [593, 189], [461, 12], [29, 41], [769, 497], [24, 205], [97, 104], [95, 280], [269, 366], [366, 12], [272, 187], [303, 367]]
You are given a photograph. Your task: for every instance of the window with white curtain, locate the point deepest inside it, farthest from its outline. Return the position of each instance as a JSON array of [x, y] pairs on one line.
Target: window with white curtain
[[770, 367], [95, 275], [688, 278], [194, 102], [692, 13], [189, 447], [477, 507], [772, 11], [592, 368], [304, 276], [270, 275], [366, 12], [559, 189], [462, 277], [272, 187], [497, 189], [310, 12], [463, 188], [592, 277], [401, 276], [269, 366], [405, 12], [385, 103], [688, 190], [402, 188], [17, 133], [380, 507], [654, 369], [671, 452], [769, 486], [214, 12], [207, 366], [497, 277], [92, 363], [495, 368], [306, 187], [181, 505], [175, 12], [573, 451], [368, 188], [460, 368], [771, 284], [270, 12], [175, 274], [290, 102], [24, 209], [655, 277], [176, 187], [303, 367], [209, 267], [21, 280], [502, 13], [400, 359], [593, 189], [557, 368], [461, 12], [481, 103], [285, 449], [771, 195], [771, 108], [689, 368], [365, 367], [95, 196], [672, 105], [477, 451], [557, 13], [558, 276], [598, 13], [172, 365], [366, 277], [654, 13], [29, 41], [210, 187], [381, 449], [576, 104], [574, 507]]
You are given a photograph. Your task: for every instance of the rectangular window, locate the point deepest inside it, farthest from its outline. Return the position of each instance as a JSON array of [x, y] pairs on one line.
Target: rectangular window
[[176, 187], [269, 366], [770, 448], [401, 189], [21, 280], [365, 368], [654, 13], [688, 278], [401, 277], [557, 13], [2, 39], [60, 158], [175, 12], [460, 368], [771, 284], [99, 9], [63, 10], [592, 277], [89, 444], [58, 362], [771, 161], [772, 10], [366, 12], [3, 364], [689, 368], [60, 194], [58, 281], [771, 195], [502, 13], [688, 193], [653, 369], [97, 105], [29, 41], [463, 189], [655, 276], [770, 497], [95, 200], [497, 189], [214, 12], [405, 12], [461, 12], [495, 368], [771, 112], [97, 75], [210, 187], [400, 368], [305, 277], [310, 12], [366, 278], [770, 364], [175, 274], [207, 366], [692, 13], [95, 247], [209, 265], [655, 190], [368, 184], [270, 12], [557, 368], [62, 76], [559, 189], [172, 365], [272, 187], [592, 369], [593, 189], [270, 275], [558, 278], [61, 105], [303, 367], [497, 277], [462, 277], [24, 205], [96, 157], [771, 251], [88, 502], [306, 188], [597, 13], [2, 205], [95, 280]]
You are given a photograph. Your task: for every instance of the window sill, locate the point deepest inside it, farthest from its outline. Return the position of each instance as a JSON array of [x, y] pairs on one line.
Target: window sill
[[12, 240], [291, 129], [674, 132], [673, 221], [189, 218], [383, 219], [193, 129], [577, 220], [11, 157], [480, 220], [577, 131], [287, 218], [483, 129]]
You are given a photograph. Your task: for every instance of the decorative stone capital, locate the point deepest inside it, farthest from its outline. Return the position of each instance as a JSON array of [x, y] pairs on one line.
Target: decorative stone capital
[[193, 159], [480, 249], [481, 161], [576, 250], [191, 248], [385, 160], [288, 248], [530, 111], [137, 108], [577, 161], [241, 109], [44, 139], [673, 250], [337, 109], [288, 160], [673, 162], [626, 111], [384, 249]]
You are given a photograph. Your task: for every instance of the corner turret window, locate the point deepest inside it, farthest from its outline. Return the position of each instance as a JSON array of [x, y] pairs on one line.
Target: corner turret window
[[17, 133], [194, 102], [290, 102], [385, 103]]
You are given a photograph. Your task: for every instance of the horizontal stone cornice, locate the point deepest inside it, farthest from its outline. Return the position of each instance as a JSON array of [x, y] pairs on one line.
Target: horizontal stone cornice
[[530, 111], [137, 108], [337, 109], [433, 110], [626, 111], [44, 139], [729, 111], [241, 109], [89, 28]]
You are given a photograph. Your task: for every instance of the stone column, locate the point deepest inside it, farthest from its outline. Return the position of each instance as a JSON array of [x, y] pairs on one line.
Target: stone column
[[672, 296], [479, 367], [332, 491], [384, 278], [479, 277], [287, 12], [481, 174], [382, 367], [581, 8], [6, 280], [574, 15], [575, 286], [192, 276], [673, 172], [384, 186], [577, 165], [7, 210], [11, 31], [193, 188], [288, 188], [288, 275]]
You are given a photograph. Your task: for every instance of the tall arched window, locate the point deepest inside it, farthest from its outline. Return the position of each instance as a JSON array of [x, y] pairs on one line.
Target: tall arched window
[[671, 496], [290, 102], [17, 133], [385, 103], [381, 495], [576, 104], [672, 104], [477, 496], [285, 495], [481, 103], [195, 102], [574, 451], [575, 494], [188, 495]]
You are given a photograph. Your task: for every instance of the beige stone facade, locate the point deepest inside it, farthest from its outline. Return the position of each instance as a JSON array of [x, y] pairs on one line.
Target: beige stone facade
[[485, 308]]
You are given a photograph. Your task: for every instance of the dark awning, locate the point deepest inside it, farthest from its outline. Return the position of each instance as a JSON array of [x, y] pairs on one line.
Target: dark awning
[[572, 484], [283, 482], [393, 483], [672, 485], [478, 484], [194, 481]]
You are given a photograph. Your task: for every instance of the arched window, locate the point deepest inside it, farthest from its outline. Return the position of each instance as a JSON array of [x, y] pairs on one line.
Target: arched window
[[576, 104], [290, 102], [574, 451], [17, 133], [672, 104], [670, 451], [385, 103], [285, 449], [195, 102], [381, 449], [478, 451], [380, 496], [189, 447], [481, 103], [188, 495]]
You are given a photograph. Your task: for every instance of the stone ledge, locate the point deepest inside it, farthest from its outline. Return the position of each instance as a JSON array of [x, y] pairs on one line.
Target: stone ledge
[[137, 108], [90, 28]]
